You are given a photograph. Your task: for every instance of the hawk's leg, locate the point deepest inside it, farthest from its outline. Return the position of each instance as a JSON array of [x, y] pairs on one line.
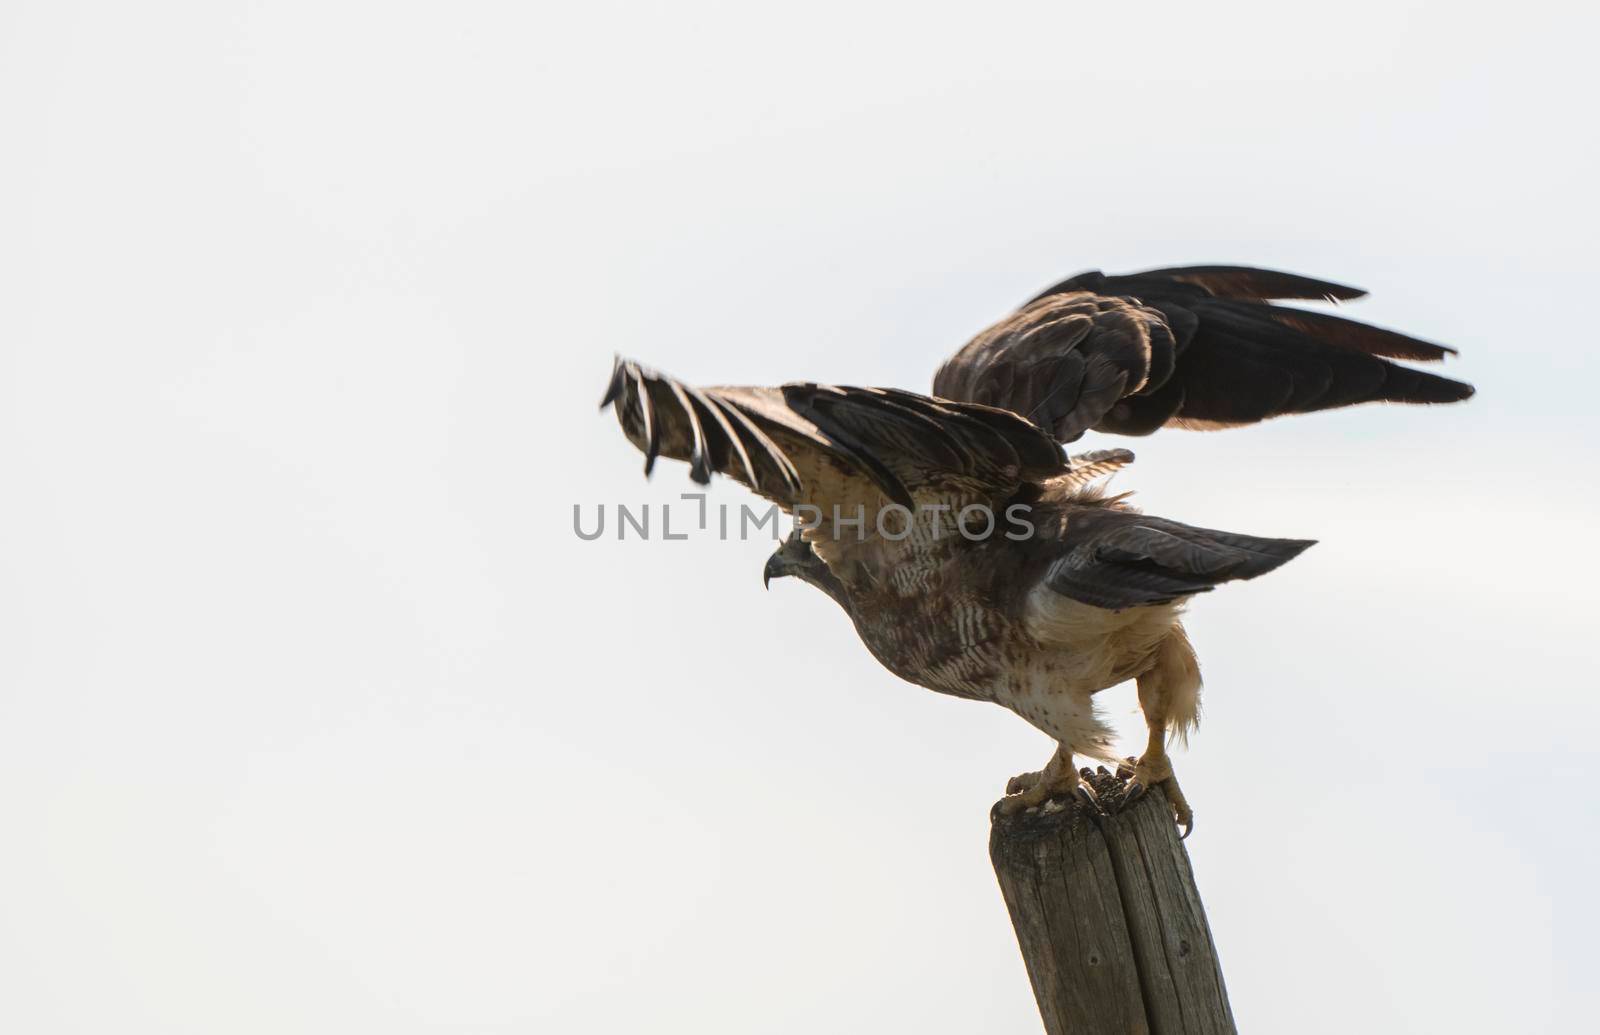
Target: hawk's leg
[[1154, 768], [1058, 779], [1168, 695]]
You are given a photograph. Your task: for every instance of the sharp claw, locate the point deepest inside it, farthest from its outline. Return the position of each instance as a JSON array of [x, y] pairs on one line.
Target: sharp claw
[[1132, 793], [1188, 828], [1084, 793]]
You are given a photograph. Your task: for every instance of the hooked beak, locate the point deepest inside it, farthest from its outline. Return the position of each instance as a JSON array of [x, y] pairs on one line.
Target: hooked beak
[[775, 569]]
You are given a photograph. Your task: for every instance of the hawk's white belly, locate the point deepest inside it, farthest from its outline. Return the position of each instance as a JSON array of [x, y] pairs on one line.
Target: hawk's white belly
[[1077, 651]]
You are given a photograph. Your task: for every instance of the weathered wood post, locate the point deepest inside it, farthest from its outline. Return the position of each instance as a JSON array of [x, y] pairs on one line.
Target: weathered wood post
[[1108, 917]]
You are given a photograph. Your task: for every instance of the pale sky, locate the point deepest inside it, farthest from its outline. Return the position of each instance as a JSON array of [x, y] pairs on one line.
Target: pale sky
[[315, 716]]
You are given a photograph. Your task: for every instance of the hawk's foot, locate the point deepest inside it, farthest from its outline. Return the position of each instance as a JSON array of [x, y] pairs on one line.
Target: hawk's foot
[[1023, 781], [1034, 789], [1156, 769]]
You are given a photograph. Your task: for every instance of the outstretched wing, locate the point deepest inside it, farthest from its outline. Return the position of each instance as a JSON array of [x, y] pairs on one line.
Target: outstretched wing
[[1197, 347], [854, 449], [1117, 559]]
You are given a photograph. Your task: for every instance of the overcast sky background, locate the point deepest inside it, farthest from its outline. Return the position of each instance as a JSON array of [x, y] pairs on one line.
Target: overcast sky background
[[315, 716]]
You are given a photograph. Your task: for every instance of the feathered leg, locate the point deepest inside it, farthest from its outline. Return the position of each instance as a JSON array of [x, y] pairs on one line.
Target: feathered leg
[[1169, 696]]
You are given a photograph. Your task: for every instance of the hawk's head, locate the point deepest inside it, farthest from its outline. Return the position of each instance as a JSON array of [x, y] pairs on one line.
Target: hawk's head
[[794, 556]]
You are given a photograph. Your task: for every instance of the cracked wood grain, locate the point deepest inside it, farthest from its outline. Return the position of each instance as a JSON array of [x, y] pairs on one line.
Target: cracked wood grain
[[1108, 918]]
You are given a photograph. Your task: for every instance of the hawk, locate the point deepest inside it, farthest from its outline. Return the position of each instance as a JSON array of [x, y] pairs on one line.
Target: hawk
[[973, 556]]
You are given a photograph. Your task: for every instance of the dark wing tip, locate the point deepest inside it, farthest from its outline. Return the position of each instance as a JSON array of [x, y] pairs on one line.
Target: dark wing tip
[[1254, 282], [652, 426], [714, 430], [1405, 385], [614, 388]]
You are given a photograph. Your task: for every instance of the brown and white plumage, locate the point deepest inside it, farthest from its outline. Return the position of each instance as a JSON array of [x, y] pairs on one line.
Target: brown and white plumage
[[1090, 596]]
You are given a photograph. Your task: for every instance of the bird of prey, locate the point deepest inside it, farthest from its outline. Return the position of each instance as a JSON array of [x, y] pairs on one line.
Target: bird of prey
[[973, 556]]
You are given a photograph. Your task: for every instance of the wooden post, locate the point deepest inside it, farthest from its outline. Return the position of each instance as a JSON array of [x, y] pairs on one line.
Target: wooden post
[[1108, 917]]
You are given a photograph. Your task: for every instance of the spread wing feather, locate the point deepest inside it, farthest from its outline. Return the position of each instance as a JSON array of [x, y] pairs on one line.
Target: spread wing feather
[[1118, 559], [1247, 282], [830, 446], [1198, 347]]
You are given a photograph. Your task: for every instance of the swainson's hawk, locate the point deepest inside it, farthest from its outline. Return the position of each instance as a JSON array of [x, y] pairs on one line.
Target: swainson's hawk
[[972, 555]]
